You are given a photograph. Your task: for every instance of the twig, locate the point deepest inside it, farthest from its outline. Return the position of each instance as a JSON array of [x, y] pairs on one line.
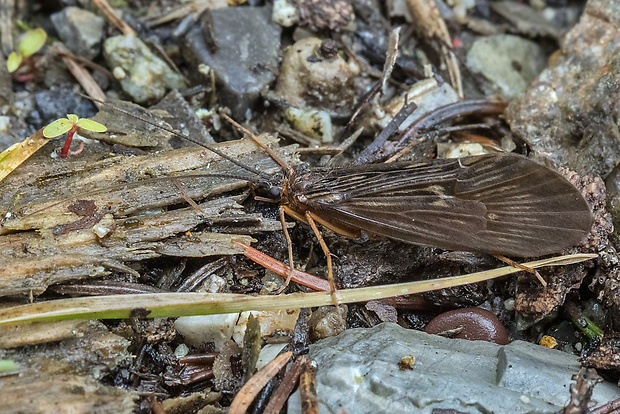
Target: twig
[[609, 408], [281, 394], [84, 77], [432, 25], [368, 155], [105, 9], [442, 114], [250, 390], [581, 391], [307, 388], [88, 63], [390, 59]]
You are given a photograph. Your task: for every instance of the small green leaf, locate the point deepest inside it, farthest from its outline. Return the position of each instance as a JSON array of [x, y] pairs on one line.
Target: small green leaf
[[13, 62], [7, 365], [90, 125], [73, 118], [32, 41], [57, 128]]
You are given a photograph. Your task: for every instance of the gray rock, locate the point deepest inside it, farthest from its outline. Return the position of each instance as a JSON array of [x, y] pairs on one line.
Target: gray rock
[[80, 30], [55, 103], [246, 59], [358, 372], [505, 63], [612, 184], [569, 114], [144, 76], [183, 119]]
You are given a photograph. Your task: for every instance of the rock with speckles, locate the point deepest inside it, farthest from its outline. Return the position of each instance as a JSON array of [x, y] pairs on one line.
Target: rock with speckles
[[143, 76], [359, 372]]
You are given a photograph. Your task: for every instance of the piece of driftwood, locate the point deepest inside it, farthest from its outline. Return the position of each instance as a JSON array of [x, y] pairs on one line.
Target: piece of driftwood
[[69, 219], [63, 393]]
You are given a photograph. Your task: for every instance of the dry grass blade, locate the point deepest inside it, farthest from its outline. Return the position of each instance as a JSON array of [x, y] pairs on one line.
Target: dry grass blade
[[426, 15], [250, 390], [186, 304], [13, 156], [105, 9], [84, 77]]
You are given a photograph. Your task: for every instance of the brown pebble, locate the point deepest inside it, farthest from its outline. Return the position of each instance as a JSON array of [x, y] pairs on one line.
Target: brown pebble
[[474, 324]]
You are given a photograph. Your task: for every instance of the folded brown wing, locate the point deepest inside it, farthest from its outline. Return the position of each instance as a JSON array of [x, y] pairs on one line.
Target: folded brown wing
[[502, 204]]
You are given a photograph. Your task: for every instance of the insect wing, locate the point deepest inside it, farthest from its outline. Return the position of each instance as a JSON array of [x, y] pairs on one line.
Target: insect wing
[[502, 204]]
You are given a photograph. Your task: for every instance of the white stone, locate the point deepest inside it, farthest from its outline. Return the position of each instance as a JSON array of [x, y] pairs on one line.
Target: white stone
[[207, 328]]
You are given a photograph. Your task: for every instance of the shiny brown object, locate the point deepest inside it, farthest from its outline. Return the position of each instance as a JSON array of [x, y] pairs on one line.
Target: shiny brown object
[[497, 203], [474, 324]]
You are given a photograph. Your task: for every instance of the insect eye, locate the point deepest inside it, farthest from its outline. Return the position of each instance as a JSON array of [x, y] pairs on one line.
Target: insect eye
[[274, 192]]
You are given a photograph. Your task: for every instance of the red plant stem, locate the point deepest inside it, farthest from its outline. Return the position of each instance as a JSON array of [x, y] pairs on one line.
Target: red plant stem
[[65, 148], [280, 268], [25, 78]]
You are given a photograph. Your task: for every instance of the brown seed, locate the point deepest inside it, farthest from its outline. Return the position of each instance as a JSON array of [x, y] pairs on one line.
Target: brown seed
[[474, 324]]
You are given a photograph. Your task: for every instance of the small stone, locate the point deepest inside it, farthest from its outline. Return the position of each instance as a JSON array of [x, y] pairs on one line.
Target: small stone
[[268, 353], [50, 103], [284, 13], [119, 73], [452, 150], [181, 351], [324, 322], [80, 30], [5, 121], [148, 76], [105, 226], [506, 64], [310, 79], [200, 329], [270, 322], [245, 60], [313, 123], [183, 119]]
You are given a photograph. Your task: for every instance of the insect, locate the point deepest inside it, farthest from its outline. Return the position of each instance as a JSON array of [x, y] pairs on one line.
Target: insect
[[501, 204]]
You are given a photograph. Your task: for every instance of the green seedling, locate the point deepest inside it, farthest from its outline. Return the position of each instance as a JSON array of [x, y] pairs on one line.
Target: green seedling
[[30, 44], [70, 125]]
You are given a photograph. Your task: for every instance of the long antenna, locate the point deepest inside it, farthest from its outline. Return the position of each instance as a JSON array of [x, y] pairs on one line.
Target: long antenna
[[183, 136], [268, 150]]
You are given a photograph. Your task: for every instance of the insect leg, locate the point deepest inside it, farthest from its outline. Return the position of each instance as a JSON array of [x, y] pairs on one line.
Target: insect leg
[[289, 245], [254, 138], [522, 267], [330, 270]]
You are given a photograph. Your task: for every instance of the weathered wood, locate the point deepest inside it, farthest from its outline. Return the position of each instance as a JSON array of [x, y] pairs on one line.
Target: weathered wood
[[76, 219]]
